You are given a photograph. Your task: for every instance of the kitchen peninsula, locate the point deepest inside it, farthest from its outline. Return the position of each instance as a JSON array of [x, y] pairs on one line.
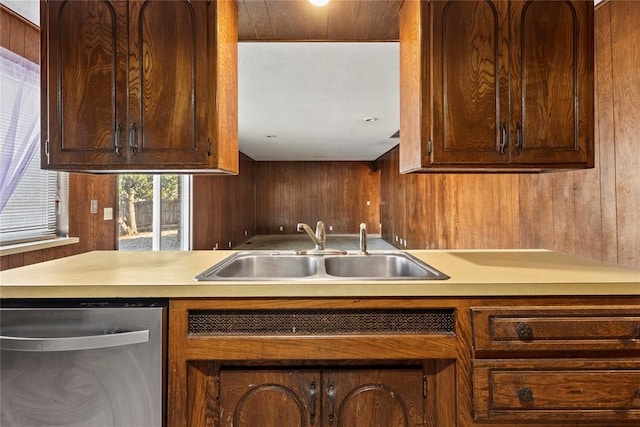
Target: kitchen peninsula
[[522, 337]]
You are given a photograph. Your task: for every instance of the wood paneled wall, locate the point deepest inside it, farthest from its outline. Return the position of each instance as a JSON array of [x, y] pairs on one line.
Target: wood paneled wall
[[593, 213], [334, 192], [224, 207], [23, 38]]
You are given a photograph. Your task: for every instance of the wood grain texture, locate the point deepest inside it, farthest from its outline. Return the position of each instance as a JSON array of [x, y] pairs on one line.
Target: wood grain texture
[[340, 20], [564, 390], [334, 192], [605, 134], [224, 208], [626, 92], [223, 92], [415, 86], [591, 213]]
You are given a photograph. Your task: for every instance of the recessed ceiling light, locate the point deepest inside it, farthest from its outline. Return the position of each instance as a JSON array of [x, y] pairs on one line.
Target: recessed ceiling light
[[319, 2], [370, 119]]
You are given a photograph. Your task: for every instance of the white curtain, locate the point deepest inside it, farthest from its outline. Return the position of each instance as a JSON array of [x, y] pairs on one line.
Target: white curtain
[[19, 120]]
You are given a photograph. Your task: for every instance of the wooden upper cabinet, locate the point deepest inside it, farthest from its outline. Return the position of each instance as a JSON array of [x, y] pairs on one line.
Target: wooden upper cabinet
[[133, 85], [493, 85], [552, 82]]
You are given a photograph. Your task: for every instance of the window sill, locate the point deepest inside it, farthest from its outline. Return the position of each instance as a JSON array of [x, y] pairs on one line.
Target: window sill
[[36, 246]]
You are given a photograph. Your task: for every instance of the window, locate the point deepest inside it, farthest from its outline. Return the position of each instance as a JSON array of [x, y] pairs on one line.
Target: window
[[30, 198], [154, 212]]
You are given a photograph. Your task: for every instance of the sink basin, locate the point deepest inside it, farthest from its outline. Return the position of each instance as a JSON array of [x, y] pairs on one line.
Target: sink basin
[[265, 266], [376, 266], [248, 265]]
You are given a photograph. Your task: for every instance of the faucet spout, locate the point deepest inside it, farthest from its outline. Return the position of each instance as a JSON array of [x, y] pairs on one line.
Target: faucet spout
[[318, 238], [363, 239]]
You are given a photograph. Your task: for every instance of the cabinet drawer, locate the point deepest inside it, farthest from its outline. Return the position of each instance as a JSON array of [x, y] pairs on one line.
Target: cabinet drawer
[[556, 329], [548, 390]]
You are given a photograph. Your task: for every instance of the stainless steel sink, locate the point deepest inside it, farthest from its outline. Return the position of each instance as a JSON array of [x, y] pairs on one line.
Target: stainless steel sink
[[265, 266], [251, 265], [378, 266]]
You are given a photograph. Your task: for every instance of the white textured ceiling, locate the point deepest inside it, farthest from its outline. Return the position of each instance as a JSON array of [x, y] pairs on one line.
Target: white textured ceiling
[[312, 99]]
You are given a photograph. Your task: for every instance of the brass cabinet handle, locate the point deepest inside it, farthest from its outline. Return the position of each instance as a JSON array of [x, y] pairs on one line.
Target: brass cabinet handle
[[312, 403], [133, 144], [524, 330], [117, 144], [525, 394]]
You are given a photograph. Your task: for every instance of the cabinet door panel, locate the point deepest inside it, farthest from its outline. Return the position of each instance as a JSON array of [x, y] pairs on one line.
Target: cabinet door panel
[[373, 398], [470, 82], [552, 98], [269, 398], [167, 82], [85, 64]]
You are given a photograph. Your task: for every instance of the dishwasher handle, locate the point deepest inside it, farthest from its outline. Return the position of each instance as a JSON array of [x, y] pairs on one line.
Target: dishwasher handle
[[73, 343]]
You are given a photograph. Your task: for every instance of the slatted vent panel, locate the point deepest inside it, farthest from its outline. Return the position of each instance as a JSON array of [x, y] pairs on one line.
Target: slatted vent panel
[[320, 322]]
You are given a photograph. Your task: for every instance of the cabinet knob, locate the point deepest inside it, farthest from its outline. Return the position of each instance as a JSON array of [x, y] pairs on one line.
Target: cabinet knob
[[525, 394], [524, 330]]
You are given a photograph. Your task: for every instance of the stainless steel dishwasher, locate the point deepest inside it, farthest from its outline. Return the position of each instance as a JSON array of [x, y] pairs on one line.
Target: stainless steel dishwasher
[[84, 364]]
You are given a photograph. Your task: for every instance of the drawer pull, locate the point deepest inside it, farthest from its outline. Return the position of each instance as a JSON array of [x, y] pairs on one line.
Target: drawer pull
[[525, 332], [525, 394]]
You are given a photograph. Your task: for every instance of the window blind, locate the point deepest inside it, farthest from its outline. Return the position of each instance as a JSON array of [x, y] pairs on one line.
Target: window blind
[[30, 194]]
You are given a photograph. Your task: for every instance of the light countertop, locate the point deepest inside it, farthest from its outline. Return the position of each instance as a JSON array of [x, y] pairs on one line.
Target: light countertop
[[114, 274]]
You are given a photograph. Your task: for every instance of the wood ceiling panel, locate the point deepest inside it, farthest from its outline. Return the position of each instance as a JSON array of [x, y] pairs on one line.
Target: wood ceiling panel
[[298, 20]]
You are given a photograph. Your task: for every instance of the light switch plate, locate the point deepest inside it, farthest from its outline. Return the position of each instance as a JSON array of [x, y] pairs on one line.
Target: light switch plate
[[94, 206], [108, 214]]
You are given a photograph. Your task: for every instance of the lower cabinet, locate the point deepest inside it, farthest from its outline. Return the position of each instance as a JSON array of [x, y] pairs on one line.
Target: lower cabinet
[[331, 397], [431, 362], [546, 390], [566, 365]]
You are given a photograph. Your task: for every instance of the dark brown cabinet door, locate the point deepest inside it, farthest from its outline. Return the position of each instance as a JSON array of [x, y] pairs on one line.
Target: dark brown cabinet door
[[139, 85], [496, 85], [552, 82], [167, 83], [84, 61], [373, 398], [342, 398], [269, 398], [470, 82]]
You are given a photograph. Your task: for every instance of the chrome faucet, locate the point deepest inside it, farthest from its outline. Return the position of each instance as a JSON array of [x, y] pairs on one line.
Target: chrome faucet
[[319, 238], [363, 239]]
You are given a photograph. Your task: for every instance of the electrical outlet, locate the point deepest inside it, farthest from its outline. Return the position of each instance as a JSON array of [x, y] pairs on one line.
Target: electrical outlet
[[331, 228], [281, 228], [108, 214], [94, 206], [368, 202]]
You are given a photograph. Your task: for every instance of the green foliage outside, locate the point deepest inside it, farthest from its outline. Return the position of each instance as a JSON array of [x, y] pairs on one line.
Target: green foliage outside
[[141, 187], [136, 188]]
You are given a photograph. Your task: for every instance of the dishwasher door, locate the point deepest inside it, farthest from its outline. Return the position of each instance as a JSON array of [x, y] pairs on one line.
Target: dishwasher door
[[99, 366]]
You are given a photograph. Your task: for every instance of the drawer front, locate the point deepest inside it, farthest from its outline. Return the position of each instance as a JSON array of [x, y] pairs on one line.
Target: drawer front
[[556, 329], [543, 390]]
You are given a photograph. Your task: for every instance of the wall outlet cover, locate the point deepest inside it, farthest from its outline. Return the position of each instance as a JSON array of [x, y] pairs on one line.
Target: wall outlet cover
[[108, 214]]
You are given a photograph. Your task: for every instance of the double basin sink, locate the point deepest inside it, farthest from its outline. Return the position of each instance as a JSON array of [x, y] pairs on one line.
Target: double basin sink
[[266, 265]]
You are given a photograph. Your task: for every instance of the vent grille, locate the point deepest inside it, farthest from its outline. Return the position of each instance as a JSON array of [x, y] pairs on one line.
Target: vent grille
[[320, 322]]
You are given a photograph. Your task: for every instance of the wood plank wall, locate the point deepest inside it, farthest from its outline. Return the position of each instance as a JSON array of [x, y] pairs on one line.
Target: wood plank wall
[[224, 207], [334, 192], [592, 213], [22, 37]]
